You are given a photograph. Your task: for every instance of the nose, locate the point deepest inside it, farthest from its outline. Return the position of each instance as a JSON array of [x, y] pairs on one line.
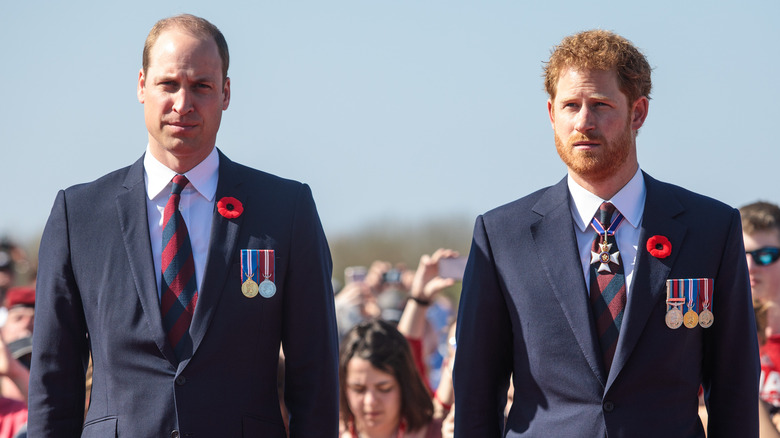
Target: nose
[[29, 325], [750, 263], [182, 101], [370, 399], [584, 120]]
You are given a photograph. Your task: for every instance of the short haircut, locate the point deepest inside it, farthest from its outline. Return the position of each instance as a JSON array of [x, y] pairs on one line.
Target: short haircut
[[199, 27], [381, 344], [760, 216], [600, 50]]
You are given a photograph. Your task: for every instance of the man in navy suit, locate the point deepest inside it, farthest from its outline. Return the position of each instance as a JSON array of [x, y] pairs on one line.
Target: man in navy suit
[[609, 298], [249, 271]]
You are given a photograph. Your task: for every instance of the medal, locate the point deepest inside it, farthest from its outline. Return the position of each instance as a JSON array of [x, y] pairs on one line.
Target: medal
[[267, 289], [706, 317], [691, 318], [248, 286], [249, 289], [604, 257], [267, 286], [674, 318], [674, 303]]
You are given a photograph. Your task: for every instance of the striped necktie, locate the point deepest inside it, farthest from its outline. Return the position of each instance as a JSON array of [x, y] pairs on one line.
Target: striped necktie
[[179, 288], [607, 281]]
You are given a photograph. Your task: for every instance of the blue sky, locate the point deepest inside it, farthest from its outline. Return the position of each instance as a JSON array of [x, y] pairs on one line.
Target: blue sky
[[400, 111]]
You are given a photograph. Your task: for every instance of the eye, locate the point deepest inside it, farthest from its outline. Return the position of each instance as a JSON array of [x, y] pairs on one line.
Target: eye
[[357, 389], [169, 85], [385, 389]]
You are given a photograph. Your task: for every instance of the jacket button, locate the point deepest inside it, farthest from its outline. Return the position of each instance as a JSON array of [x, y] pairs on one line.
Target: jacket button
[[609, 406], [175, 434], [181, 380]]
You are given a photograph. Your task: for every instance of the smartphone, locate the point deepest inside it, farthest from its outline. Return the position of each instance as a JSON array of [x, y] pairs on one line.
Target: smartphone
[[354, 274], [392, 276], [452, 268]]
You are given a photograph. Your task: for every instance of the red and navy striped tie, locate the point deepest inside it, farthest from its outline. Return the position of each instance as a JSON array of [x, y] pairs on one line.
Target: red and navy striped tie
[[179, 287], [607, 287]]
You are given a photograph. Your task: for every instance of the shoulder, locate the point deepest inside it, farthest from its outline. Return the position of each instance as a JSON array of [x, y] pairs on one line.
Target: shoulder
[[530, 207], [254, 176], [108, 181], [694, 205]]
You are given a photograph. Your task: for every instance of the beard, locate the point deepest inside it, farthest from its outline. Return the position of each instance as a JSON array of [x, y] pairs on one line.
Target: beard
[[601, 163]]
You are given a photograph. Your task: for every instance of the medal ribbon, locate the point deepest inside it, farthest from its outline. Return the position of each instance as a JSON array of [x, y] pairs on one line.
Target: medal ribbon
[[268, 265], [266, 275], [707, 292], [248, 265], [610, 231], [692, 294], [674, 296]]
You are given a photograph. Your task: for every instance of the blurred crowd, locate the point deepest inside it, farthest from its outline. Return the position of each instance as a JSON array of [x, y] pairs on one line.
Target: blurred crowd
[[17, 314], [397, 332]]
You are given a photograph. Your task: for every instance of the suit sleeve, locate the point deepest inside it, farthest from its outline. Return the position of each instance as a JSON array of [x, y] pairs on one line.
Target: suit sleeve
[[59, 359], [483, 360], [731, 362], [309, 337]]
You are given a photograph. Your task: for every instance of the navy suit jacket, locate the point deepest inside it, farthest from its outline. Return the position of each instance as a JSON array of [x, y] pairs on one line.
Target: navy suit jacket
[[524, 311], [97, 293]]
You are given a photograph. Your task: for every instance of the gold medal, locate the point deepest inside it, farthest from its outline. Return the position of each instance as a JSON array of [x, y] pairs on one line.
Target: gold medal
[[674, 318], [691, 319], [249, 288], [706, 318]]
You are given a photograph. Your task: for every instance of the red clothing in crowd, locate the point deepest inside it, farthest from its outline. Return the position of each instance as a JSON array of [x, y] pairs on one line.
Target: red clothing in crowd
[[769, 389], [13, 415]]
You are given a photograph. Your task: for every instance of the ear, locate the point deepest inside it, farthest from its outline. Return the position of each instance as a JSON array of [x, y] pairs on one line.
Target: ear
[[551, 112], [226, 94], [639, 112], [141, 90]]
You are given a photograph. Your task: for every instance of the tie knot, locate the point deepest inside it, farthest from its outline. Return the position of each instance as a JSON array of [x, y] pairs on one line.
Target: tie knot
[[604, 215], [179, 182]]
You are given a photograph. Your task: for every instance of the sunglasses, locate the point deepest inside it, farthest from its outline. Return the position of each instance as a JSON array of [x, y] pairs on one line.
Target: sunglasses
[[765, 256]]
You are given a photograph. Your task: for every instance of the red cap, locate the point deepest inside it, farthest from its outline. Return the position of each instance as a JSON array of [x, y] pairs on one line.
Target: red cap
[[20, 296]]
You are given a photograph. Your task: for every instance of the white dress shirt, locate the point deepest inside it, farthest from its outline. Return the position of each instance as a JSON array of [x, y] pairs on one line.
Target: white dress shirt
[[630, 201], [196, 207]]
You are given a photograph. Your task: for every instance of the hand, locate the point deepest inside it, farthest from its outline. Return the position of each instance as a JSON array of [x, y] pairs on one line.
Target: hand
[[427, 283], [6, 360], [353, 294], [375, 275], [448, 425]]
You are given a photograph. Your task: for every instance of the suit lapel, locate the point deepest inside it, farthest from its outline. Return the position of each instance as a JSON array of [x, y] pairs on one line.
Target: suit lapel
[[131, 209], [556, 246], [223, 248], [650, 273]]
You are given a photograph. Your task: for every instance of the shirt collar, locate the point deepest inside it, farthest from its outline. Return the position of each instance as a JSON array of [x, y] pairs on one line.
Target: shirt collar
[[630, 201], [203, 177]]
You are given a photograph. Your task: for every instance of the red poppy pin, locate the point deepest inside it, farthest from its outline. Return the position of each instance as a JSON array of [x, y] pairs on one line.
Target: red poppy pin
[[659, 246], [230, 208]]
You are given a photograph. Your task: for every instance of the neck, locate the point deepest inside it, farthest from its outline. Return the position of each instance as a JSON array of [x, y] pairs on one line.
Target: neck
[[181, 162], [607, 187], [364, 432]]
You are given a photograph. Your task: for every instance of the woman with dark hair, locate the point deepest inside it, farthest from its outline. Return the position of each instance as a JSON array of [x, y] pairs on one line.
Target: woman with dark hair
[[382, 393]]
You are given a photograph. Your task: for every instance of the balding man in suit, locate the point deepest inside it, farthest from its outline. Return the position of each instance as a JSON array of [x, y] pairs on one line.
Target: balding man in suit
[[182, 275]]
